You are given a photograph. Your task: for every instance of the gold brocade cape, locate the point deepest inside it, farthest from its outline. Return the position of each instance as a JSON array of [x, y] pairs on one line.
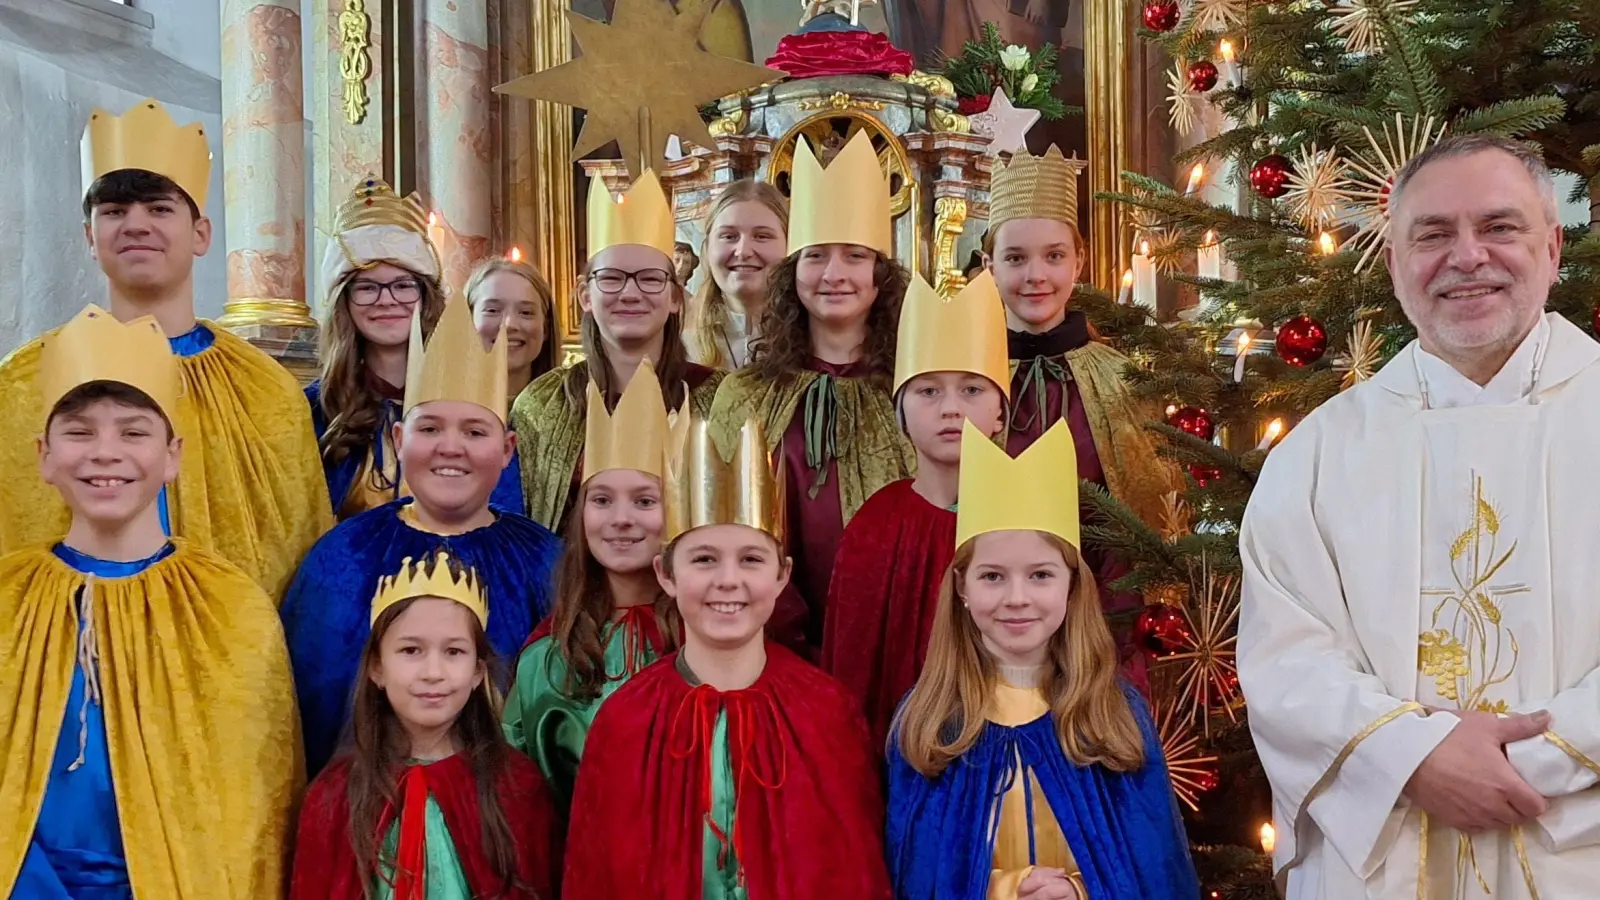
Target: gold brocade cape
[[550, 440], [200, 718], [250, 487], [871, 449]]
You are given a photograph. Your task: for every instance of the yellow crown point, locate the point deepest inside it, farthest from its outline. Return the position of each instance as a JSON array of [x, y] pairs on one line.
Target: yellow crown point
[[146, 137], [432, 577], [641, 215], [706, 488], [373, 202], [846, 203], [635, 435], [1035, 187], [964, 333], [1037, 491], [455, 365], [94, 346]]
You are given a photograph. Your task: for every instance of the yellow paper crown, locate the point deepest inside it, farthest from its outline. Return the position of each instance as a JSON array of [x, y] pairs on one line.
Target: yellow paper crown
[[635, 435], [642, 215], [847, 203], [703, 488], [147, 138], [94, 346], [455, 365], [1035, 187], [964, 333], [1037, 491], [373, 202], [433, 578]]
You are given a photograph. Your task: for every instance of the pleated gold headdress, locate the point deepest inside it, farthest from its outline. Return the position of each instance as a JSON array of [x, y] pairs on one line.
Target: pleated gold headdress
[[1035, 187]]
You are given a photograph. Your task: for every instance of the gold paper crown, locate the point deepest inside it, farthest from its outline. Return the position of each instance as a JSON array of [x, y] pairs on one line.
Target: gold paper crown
[[634, 436], [847, 203], [94, 346], [146, 137], [455, 365], [642, 215], [703, 488], [433, 578], [1035, 187], [373, 202], [964, 333], [1037, 491]]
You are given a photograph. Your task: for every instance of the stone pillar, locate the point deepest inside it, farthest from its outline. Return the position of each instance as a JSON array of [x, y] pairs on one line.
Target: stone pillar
[[457, 173], [263, 159]]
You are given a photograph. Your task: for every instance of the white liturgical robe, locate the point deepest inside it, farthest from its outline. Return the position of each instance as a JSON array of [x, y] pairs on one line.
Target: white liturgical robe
[[1400, 556]]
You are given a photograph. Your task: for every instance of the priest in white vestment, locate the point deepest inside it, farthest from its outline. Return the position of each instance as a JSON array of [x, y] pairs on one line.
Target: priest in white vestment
[[1420, 630]]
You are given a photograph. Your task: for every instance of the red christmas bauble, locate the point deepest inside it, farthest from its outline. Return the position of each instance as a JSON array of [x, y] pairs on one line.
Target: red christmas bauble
[[1270, 176], [1161, 15], [1302, 340], [1595, 325], [1204, 475], [1161, 630], [1193, 420], [1202, 75]]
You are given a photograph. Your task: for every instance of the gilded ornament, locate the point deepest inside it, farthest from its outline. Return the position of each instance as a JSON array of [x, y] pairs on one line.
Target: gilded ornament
[[727, 125], [839, 101], [937, 85], [355, 61], [949, 220], [950, 122]]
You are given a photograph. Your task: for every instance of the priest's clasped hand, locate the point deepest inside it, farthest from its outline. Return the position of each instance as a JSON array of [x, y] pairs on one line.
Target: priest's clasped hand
[[1467, 783]]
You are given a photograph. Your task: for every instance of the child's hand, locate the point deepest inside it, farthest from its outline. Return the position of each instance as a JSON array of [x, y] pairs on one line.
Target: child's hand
[[1047, 884]]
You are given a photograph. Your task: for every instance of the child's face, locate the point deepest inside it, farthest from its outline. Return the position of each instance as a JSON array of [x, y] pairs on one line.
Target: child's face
[[1036, 263], [726, 579], [1016, 589], [109, 460], [453, 453], [622, 520], [428, 664], [935, 404]]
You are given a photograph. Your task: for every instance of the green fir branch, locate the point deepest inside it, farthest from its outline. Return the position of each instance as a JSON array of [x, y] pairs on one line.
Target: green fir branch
[[1406, 70], [1510, 118]]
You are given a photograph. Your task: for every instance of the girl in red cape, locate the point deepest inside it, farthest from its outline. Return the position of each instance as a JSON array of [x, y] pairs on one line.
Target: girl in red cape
[[731, 769], [431, 801]]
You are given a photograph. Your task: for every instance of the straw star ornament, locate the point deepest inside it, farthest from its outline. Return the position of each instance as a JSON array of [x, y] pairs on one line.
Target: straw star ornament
[[641, 78], [1364, 200]]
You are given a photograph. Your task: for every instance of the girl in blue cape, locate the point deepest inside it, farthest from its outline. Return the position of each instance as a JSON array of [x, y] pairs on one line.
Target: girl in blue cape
[[1020, 767]]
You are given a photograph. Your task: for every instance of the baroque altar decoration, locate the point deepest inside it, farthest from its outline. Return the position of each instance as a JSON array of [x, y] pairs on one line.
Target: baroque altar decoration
[[1028, 77]]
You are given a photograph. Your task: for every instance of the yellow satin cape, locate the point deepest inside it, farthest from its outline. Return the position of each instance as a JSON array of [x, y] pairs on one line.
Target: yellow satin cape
[[872, 450], [200, 718], [250, 486], [550, 440]]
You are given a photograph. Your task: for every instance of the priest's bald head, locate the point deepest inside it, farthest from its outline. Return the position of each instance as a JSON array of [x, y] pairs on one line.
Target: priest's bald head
[[1474, 246]]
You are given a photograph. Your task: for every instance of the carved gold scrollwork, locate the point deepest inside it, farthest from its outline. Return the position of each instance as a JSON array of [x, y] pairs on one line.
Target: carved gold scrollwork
[[355, 65], [949, 219], [945, 120], [727, 125], [840, 101], [937, 85]]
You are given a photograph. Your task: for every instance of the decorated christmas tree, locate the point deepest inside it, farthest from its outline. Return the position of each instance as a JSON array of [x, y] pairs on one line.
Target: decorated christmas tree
[[1309, 108]]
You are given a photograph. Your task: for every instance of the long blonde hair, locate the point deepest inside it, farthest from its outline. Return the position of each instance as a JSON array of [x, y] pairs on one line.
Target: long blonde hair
[[546, 360], [707, 315], [944, 715]]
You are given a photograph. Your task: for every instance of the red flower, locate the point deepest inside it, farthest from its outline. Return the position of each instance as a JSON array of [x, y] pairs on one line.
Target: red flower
[[970, 106]]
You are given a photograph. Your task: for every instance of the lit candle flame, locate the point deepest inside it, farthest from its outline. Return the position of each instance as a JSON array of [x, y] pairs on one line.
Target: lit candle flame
[[1244, 341], [1273, 432], [1172, 408], [1269, 838], [1326, 243], [1210, 239], [1127, 278], [1196, 175], [1144, 248], [1226, 49], [515, 255]]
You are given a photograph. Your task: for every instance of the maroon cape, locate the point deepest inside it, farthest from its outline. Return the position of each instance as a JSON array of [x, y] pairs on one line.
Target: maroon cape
[[325, 866], [884, 593], [809, 818]]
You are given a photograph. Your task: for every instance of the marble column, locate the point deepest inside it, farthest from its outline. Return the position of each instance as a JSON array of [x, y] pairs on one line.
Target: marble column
[[263, 159], [456, 174]]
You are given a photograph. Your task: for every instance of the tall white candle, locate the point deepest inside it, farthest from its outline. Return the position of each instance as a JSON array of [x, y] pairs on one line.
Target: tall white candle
[[1274, 430], [1144, 277], [1126, 294], [1231, 75], [1208, 258], [1241, 356], [1196, 176]]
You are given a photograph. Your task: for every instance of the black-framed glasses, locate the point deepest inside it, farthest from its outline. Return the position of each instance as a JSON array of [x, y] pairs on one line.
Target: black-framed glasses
[[612, 281], [405, 291]]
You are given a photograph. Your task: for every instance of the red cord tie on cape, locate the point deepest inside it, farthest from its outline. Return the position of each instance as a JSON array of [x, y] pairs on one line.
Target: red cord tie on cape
[[411, 860], [703, 703], [640, 635]]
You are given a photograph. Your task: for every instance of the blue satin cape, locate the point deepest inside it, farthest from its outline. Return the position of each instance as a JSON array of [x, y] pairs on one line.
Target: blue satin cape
[[1123, 828], [76, 852], [326, 613]]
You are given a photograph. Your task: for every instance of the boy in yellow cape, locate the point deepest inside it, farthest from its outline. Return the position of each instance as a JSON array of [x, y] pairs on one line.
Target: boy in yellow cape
[[151, 745]]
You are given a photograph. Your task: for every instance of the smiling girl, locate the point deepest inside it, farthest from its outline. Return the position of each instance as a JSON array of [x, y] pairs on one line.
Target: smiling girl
[[514, 294], [746, 239]]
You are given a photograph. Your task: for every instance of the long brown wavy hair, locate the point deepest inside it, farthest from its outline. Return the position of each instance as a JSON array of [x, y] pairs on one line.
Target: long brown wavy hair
[[584, 605], [784, 345], [671, 369], [380, 748], [944, 714], [348, 401], [708, 310], [546, 359]]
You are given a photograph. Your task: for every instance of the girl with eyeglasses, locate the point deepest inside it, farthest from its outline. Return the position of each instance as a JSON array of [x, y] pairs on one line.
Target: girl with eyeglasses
[[632, 307]]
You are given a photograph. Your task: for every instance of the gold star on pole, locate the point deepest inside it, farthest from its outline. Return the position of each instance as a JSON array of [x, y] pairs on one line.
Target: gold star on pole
[[641, 78]]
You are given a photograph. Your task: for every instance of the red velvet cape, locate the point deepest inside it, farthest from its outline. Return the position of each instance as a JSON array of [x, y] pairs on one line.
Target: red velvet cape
[[809, 819], [881, 601], [325, 866]]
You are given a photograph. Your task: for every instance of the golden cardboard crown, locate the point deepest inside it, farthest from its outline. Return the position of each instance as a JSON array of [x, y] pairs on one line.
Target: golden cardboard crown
[[634, 436], [94, 346], [432, 577], [1035, 187], [964, 333], [1037, 491], [455, 365], [146, 137], [846, 203], [642, 215], [704, 488]]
